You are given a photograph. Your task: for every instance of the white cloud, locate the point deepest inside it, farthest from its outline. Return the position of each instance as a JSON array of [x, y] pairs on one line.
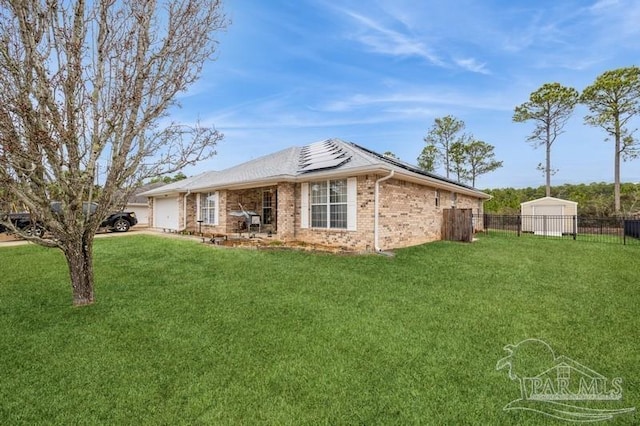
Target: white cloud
[[602, 5], [412, 98], [387, 41], [471, 64]]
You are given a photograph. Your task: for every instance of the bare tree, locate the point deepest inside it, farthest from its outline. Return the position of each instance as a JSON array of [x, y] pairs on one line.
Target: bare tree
[[83, 82]]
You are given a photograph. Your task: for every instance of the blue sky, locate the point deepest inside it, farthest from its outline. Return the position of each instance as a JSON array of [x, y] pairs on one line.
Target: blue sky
[[378, 73]]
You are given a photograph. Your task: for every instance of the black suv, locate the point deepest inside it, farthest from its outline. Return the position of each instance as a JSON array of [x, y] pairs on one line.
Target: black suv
[[116, 222]]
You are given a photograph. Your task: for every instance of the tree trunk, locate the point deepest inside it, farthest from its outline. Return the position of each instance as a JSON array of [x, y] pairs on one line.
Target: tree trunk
[[548, 163], [79, 256], [616, 170]]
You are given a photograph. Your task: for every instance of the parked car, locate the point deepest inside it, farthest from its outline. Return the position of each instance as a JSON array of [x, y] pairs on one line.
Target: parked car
[[120, 221], [116, 222], [22, 221]]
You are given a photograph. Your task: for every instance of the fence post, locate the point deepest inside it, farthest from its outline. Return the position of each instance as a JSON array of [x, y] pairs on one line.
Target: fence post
[[575, 227], [624, 233], [519, 224]]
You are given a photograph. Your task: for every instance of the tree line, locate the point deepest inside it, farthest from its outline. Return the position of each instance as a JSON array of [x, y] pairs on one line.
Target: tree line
[[594, 199]]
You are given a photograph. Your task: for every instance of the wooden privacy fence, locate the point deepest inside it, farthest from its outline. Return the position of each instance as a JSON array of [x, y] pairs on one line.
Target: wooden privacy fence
[[457, 225]]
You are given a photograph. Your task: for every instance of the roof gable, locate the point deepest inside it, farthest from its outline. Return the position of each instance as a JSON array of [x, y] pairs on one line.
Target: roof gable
[[538, 200]]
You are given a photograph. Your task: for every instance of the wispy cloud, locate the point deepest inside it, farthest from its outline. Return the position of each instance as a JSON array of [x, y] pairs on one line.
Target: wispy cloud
[[382, 39], [603, 5], [390, 34], [471, 64], [616, 18], [412, 98]]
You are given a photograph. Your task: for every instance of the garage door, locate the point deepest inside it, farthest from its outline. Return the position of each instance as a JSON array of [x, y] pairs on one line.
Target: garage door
[[165, 213], [142, 213]]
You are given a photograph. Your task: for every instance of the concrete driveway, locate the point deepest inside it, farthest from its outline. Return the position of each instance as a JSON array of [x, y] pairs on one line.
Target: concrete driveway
[[11, 241]]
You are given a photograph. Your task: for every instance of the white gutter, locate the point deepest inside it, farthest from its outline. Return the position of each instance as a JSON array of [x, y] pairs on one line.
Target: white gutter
[[376, 201]]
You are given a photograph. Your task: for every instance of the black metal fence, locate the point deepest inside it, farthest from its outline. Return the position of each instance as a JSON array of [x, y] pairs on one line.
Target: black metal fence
[[580, 228]]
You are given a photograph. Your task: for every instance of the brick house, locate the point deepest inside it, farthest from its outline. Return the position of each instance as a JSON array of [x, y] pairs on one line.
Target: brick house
[[331, 192]]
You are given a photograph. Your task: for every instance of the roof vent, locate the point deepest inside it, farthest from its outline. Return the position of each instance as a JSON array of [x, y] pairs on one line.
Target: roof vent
[[322, 155]]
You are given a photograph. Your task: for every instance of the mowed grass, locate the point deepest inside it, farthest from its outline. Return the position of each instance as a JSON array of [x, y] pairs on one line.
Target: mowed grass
[[186, 333]]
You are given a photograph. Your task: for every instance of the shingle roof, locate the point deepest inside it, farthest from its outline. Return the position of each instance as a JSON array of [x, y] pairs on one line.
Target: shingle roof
[[136, 198], [330, 156]]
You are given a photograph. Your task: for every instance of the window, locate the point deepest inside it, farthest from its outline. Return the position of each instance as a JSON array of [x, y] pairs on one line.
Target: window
[[437, 198], [208, 208], [328, 200], [329, 204], [267, 207]]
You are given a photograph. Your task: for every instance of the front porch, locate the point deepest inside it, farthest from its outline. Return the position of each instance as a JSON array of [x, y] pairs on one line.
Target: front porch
[[266, 211], [252, 210]]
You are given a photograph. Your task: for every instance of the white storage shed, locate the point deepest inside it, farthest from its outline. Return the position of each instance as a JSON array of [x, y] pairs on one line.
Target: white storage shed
[[549, 216]]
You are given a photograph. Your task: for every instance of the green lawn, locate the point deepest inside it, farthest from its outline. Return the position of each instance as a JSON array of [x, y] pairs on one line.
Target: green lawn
[[187, 333]]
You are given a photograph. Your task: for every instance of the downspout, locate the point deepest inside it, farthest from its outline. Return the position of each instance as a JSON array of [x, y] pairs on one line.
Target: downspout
[[376, 209]]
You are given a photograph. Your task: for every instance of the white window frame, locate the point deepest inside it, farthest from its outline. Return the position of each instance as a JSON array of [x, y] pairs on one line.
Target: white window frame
[[326, 204], [271, 207], [202, 197], [352, 206]]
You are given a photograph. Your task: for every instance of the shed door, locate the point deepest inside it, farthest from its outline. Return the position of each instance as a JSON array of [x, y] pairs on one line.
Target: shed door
[[165, 213], [547, 220]]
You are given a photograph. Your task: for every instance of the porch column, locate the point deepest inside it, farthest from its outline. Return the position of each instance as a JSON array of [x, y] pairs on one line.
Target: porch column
[[286, 211]]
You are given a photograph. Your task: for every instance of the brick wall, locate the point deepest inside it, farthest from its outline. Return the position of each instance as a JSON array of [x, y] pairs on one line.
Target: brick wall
[[251, 199], [361, 239], [407, 216], [192, 215], [286, 216]]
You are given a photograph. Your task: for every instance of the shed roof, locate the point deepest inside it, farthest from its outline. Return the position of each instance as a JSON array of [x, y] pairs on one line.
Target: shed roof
[[543, 199]]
